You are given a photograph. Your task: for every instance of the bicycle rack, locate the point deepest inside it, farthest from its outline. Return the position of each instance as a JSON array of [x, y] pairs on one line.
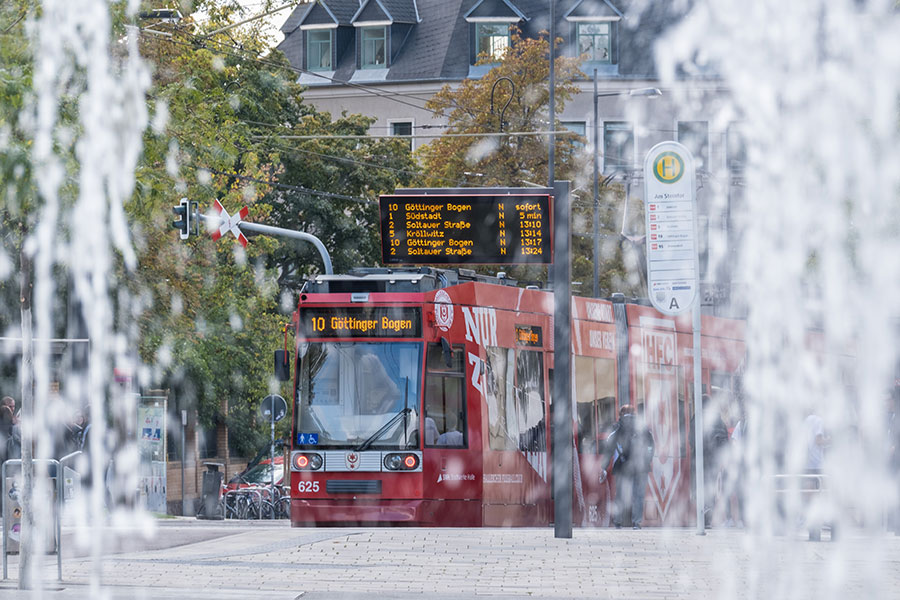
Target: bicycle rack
[[244, 492]]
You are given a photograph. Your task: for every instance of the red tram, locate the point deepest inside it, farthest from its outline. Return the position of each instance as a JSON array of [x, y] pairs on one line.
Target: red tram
[[423, 398]]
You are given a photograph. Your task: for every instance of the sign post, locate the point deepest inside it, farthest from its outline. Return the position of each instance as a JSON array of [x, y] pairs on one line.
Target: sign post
[[274, 407], [673, 263], [561, 409]]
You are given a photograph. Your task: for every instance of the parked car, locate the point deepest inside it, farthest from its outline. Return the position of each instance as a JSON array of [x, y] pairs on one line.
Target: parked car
[[259, 474]]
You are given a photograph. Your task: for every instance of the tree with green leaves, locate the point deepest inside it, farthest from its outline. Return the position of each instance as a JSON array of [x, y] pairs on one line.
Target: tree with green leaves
[[216, 311]]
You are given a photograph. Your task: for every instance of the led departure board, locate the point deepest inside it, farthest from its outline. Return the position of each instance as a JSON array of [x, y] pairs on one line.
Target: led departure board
[[361, 321], [478, 229]]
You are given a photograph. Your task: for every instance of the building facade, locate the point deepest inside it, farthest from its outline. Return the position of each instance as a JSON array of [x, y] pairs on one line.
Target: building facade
[[386, 58]]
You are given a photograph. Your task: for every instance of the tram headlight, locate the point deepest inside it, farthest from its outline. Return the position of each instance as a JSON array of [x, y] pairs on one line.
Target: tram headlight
[[306, 461], [393, 462], [402, 461]]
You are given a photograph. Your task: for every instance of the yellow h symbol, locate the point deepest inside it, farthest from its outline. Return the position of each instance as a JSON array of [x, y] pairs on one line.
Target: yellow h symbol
[[668, 167]]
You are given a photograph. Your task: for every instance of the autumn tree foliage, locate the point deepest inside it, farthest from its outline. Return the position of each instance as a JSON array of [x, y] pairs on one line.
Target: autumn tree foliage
[[516, 88]]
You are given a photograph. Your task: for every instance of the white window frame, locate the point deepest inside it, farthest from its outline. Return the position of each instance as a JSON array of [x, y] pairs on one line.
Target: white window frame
[[412, 130], [578, 35], [309, 43], [494, 53], [610, 166], [362, 47], [701, 162]]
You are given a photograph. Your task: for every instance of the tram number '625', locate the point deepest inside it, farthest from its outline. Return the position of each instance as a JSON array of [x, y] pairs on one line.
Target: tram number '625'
[[308, 487]]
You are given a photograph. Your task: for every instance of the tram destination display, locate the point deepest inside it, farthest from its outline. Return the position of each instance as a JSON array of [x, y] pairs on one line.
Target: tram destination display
[[362, 321], [457, 229]]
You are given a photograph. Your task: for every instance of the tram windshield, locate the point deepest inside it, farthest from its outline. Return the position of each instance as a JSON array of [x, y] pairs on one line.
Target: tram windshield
[[358, 395]]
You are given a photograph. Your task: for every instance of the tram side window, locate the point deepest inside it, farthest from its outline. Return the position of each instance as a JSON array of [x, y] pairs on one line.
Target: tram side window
[[595, 397], [585, 406], [722, 387], [499, 380], [445, 400], [531, 411]]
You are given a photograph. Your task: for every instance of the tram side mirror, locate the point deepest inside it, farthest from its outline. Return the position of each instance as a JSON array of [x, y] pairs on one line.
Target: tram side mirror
[[282, 365], [447, 352]]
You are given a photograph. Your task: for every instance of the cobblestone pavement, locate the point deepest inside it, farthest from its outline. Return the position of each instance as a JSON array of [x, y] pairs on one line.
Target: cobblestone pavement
[[191, 559]]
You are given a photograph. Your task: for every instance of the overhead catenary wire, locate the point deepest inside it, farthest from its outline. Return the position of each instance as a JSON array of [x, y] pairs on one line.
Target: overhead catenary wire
[[286, 186], [436, 135], [375, 91], [203, 40], [367, 88]]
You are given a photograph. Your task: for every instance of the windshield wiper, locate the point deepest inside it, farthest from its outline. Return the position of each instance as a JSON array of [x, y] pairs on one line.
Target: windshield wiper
[[384, 429]]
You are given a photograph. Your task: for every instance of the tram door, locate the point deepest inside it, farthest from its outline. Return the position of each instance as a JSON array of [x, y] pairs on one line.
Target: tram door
[[595, 408], [451, 469]]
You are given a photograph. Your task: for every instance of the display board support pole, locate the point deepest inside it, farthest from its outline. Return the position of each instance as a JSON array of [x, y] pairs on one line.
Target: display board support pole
[[561, 394], [698, 418]]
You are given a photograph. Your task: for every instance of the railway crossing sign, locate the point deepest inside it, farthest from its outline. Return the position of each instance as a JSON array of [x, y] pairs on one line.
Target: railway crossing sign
[[671, 224], [230, 223]]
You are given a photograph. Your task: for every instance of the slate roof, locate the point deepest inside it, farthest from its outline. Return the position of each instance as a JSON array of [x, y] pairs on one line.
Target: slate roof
[[495, 8], [395, 11], [591, 9], [401, 11], [317, 14], [371, 11], [438, 45]]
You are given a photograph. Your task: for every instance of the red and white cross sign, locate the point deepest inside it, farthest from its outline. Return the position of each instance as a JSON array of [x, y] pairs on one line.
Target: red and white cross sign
[[230, 223]]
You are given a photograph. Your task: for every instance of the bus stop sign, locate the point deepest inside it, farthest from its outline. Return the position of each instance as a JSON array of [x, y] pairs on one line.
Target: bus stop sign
[[671, 224]]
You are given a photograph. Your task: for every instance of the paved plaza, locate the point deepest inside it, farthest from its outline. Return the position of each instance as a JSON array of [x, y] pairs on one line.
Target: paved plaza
[[185, 559]]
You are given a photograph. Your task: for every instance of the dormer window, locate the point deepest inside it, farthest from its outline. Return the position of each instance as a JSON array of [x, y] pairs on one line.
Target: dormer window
[[372, 47], [594, 40], [489, 24], [595, 33], [491, 39], [318, 49]]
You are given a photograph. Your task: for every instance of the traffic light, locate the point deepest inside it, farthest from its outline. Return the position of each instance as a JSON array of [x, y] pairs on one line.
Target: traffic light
[[183, 222]]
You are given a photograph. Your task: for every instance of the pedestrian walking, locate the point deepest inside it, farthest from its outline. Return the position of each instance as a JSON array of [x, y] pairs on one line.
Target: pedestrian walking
[[630, 446], [10, 434], [715, 442]]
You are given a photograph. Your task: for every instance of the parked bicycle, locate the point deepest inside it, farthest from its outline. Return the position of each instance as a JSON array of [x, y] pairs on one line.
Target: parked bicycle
[[256, 502]]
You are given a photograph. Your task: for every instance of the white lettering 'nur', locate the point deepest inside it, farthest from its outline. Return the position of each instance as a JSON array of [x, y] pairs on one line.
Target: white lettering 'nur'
[[481, 325]]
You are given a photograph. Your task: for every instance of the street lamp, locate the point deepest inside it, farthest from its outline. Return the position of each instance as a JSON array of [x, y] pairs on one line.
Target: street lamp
[[642, 92]]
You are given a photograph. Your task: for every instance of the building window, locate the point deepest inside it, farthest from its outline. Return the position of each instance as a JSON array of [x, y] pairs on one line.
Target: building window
[[695, 137], [594, 40], [491, 39], [402, 129], [579, 128], [373, 47], [318, 50], [735, 148], [618, 146]]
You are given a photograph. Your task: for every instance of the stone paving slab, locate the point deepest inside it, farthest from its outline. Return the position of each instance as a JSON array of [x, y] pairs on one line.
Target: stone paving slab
[[275, 561]]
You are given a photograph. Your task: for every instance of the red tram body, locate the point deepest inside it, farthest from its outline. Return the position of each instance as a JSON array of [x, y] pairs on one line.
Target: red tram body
[[423, 398]]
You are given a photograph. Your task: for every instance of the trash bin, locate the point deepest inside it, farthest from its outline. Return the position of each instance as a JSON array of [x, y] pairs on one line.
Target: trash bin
[[211, 492]]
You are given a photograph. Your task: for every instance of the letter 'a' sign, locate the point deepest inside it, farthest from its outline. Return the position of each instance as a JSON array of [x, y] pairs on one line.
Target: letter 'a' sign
[[458, 229], [671, 224]]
